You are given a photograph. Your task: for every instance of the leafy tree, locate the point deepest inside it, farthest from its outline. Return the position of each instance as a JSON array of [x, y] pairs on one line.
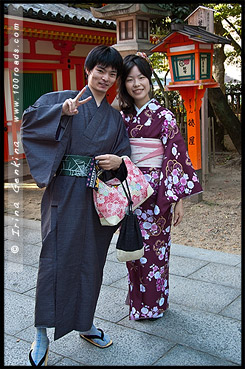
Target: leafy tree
[[227, 23], [175, 13]]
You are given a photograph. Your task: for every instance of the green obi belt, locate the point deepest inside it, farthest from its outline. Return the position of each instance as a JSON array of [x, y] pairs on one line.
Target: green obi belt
[[75, 165]]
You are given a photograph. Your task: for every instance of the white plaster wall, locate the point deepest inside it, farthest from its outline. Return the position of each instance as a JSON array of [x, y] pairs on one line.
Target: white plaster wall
[[73, 79], [59, 80], [24, 45], [81, 50], [46, 47]]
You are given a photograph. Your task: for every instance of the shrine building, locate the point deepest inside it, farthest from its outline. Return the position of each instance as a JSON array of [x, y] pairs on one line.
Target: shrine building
[[45, 46]]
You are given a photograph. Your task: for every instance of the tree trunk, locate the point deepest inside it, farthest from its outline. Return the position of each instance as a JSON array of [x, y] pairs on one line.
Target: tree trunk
[[219, 76], [219, 57], [165, 95], [226, 116], [218, 66], [219, 130]]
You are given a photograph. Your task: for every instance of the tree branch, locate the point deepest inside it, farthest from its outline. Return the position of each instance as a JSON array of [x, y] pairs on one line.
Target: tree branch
[[232, 26], [165, 95]]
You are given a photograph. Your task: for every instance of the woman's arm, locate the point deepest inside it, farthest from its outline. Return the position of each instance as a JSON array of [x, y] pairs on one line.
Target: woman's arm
[[178, 212]]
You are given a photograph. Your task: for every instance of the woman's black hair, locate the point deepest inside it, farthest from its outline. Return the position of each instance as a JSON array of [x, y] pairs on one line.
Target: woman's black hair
[[105, 56], [126, 102]]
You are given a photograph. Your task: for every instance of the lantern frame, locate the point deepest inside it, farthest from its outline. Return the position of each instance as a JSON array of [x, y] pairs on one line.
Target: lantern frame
[[195, 44], [200, 56]]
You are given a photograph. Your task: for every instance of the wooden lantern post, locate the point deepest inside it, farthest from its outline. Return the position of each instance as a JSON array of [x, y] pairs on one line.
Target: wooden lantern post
[[190, 54]]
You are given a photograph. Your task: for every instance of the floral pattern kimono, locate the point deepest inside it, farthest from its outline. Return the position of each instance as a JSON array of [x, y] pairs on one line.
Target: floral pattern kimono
[[175, 178]]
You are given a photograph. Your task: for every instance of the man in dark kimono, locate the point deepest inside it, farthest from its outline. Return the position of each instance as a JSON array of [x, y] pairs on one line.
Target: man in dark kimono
[[60, 135]]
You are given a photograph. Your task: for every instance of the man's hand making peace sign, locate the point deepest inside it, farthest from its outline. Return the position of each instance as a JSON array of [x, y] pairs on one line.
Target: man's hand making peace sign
[[70, 105]]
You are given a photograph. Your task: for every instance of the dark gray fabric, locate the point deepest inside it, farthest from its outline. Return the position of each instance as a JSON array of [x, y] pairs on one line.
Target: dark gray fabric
[[74, 244]]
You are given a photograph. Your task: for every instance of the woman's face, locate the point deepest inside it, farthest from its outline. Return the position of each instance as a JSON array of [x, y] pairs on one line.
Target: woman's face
[[138, 87]]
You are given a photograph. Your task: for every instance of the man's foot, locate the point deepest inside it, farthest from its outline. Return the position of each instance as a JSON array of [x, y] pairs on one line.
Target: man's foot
[[97, 337], [34, 359], [38, 355]]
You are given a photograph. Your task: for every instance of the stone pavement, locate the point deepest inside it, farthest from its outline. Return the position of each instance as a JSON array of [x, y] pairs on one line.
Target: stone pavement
[[202, 326]]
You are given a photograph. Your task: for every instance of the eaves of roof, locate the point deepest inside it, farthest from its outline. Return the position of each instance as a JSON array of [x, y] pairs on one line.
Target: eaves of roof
[[111, 11], [198, 33], [60, 13]]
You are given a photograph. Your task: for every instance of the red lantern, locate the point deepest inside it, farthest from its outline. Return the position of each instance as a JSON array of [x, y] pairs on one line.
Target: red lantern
[[190, 54]]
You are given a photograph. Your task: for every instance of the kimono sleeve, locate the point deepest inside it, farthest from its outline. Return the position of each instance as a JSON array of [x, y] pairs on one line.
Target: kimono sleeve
[[121, 147], [178, 177], [44, 135]]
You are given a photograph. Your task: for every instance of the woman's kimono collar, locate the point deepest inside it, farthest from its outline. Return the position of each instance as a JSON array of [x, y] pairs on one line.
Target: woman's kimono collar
[[138, 111]]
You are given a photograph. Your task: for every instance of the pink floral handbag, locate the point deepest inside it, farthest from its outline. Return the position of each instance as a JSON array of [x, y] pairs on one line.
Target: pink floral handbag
[[110, 200]]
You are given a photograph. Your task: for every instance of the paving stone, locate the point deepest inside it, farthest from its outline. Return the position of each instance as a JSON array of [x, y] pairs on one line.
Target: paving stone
[[234, 310], [181, 266], [111, 304], [27, 223], [31, 293], [184, 356], [68, 362], [216, 273], [201, 327], [204, 254], [122, 283], [112, 255], [113, 272], [25, 235], [130, 347], [211, 333], [19, 278], [28, 254], [199, 294], [17, 353], [18, 312]]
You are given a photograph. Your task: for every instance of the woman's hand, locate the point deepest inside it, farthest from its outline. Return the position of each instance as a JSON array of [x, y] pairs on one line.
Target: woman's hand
[[109, 161], [178, 212], [70, 105]]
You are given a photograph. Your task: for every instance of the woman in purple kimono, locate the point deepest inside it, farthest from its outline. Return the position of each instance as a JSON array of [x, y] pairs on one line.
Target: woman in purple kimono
[[159, 150]]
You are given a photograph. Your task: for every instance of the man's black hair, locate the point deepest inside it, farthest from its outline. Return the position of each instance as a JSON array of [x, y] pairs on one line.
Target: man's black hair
[[105, 56]]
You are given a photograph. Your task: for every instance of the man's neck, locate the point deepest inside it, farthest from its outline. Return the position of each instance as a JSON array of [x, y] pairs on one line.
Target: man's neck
[[97, 96]]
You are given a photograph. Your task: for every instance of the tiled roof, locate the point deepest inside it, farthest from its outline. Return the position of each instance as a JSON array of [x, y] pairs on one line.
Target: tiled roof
[[195, 33], [199, 34], [109, 11], [57, 13]]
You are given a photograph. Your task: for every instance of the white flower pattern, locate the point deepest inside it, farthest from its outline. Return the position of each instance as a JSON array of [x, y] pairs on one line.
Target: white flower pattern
[[149, 277]]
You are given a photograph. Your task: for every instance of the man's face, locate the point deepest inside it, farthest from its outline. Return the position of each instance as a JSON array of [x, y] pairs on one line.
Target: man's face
[[101, 78]]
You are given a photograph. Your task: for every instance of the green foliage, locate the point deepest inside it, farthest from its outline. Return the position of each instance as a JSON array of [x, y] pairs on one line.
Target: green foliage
[[159, 61], [175, 103], [174, 13], [229, 18], [226, 12], [233, 88]]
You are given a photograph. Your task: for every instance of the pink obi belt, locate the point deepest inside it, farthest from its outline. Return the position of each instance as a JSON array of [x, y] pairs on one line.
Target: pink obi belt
[[147, 152]]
